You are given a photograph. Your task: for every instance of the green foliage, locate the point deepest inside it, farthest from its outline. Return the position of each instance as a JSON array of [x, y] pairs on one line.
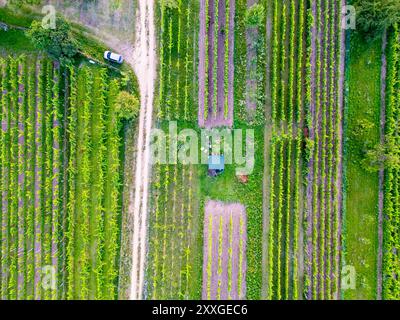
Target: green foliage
[[171, 4], [375, 16], [363, 102], [30, 178], [382, 156], [71, 174], [255, 15], [15, 41], [363, 127], [127, 106], [94, 186], [391, 271], [59, 42], [177, 52], [20, 3], [12, 16], [175, 256], [111, 196], [286, 147], [72, 226]]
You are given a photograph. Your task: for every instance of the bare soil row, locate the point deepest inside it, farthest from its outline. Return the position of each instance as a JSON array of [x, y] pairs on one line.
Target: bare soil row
[[215, 97], [224, 256]]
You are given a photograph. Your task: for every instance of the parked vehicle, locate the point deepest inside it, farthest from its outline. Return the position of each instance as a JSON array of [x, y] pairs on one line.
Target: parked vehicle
[[113, 57]]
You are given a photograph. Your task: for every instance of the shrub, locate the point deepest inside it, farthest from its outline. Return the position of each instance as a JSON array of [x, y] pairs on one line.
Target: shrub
[[382, 155], [255, 15], [374, 16], [127, 106], [171, 4], [58, 43]]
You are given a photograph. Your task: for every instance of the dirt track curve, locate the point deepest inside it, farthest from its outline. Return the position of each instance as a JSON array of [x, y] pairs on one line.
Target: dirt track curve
[[145, 68]]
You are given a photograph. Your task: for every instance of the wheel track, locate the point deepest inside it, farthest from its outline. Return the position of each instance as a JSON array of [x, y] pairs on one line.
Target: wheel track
[[144, 67]]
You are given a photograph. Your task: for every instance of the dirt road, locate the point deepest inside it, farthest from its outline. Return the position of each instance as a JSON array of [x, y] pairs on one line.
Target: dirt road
[[144, 67], [141, 56]]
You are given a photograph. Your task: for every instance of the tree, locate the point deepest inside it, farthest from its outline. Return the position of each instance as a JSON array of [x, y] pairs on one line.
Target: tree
[[20, 3], [255, 15], [127, 106], [375, 16], [171, 4], [363, 128], [59, 43], [382, 156]]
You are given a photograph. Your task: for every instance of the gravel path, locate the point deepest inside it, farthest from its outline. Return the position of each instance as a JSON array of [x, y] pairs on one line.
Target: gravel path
[[144, 64]]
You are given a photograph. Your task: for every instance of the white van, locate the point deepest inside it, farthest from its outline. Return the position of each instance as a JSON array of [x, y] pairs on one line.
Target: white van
[[113, 57]]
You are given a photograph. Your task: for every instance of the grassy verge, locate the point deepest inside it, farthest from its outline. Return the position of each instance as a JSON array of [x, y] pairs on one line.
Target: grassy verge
[[23, 17], [361, 229], [14, 42]]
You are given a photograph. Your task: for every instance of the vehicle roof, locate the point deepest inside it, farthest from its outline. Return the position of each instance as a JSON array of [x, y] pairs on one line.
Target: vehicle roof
[[115, 56], [216, 162]]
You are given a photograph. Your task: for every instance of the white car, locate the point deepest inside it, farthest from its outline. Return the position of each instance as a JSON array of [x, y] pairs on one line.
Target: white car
[[113, 57]]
